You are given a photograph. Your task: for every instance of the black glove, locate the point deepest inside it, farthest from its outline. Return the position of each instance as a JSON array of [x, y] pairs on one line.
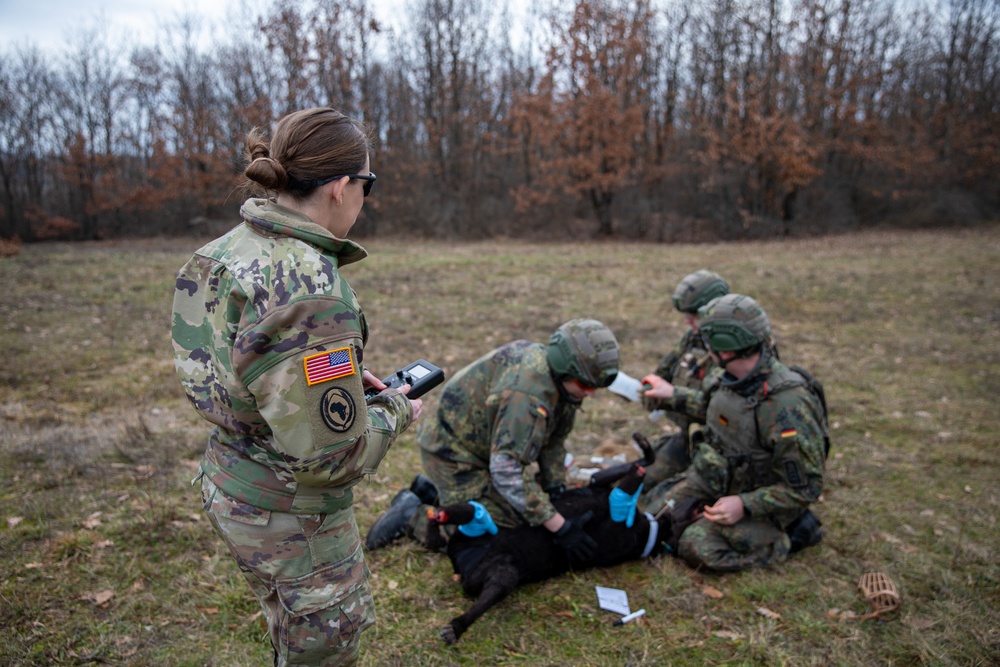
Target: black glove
[[578, 545]]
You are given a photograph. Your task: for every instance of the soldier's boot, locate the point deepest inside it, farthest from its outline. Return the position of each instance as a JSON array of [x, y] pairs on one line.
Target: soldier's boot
[[393, 523], [425, 490], [804, 532]]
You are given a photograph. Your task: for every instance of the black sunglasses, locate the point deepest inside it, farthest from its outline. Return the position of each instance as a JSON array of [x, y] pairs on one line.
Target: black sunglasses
[[368, 178]]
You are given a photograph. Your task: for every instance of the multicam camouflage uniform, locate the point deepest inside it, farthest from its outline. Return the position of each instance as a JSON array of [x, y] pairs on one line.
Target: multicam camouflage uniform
[[495, 418], [695, 377], [268, 343], [764, 442]]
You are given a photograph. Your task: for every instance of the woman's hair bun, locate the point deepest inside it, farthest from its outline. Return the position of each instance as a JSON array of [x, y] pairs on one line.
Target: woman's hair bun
[[259, 150], [263, 169], [267, 172]]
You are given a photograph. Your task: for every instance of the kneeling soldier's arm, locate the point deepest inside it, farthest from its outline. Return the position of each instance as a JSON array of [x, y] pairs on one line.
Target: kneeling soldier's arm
[[789, 425]]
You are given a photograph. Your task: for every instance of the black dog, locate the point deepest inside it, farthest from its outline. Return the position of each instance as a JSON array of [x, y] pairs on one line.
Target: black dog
[[492, 566]]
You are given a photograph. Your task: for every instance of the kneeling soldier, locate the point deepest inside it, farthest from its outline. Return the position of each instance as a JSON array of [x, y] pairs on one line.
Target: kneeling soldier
[[760, 466], [499, 415]]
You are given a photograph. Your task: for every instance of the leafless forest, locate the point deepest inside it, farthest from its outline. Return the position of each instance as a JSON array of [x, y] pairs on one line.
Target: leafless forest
[[647, 119]]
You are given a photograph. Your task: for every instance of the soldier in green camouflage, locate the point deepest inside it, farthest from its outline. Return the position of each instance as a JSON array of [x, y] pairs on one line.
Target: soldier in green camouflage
[[761, 464], [269, 346], [691, 375], [499, 432]]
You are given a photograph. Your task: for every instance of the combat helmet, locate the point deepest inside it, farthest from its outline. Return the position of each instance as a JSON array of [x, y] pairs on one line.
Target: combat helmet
[[697, 289], [585, 350], [734, 323]]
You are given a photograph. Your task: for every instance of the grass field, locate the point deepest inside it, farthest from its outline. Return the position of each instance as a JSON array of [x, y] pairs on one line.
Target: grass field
[[106, 559]]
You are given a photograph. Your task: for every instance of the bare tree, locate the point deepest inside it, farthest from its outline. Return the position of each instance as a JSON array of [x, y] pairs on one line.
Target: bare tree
[[196, 130], [451, 52], [657, 117], [90, 93], [26, 123]]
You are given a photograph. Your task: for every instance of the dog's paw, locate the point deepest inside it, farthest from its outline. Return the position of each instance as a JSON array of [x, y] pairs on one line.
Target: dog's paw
[[448, 635]]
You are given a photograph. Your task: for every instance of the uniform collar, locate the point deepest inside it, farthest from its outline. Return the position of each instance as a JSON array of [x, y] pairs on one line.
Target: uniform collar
[[270, 218]]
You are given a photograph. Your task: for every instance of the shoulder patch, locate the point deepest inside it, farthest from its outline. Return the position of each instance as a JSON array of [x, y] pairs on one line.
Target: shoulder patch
[[326, 366], [789, 433], [338, 410], [792, 473], [542, 412]]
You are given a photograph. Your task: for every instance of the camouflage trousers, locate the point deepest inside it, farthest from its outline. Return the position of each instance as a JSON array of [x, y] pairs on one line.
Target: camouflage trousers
[[673, 456], [308, 572], [708, 545]]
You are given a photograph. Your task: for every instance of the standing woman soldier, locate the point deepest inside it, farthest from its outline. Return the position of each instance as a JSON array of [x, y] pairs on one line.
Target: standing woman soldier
[[268, 344]]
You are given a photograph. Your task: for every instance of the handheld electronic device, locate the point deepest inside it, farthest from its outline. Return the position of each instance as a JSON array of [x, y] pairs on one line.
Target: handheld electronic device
[[421, 375]]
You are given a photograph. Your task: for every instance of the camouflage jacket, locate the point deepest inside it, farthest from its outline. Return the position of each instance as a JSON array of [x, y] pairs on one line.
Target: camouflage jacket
[[764, 442], [695, 377], [268, 345], [497, 416]]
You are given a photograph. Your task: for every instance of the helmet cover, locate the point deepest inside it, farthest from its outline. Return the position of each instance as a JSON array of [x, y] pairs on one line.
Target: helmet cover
[[697, 289], [585, 350], [733, 322]]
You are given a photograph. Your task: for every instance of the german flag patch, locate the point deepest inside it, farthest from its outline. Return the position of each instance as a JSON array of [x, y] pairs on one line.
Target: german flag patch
[[789, 433], [542, 412], [723, 420]]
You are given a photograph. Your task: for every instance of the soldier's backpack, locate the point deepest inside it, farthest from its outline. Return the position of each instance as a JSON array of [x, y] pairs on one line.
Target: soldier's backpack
[[816, 388]]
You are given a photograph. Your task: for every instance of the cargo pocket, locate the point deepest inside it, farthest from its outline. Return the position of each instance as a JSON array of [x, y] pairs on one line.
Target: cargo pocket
[[326, 608], [225, 507]]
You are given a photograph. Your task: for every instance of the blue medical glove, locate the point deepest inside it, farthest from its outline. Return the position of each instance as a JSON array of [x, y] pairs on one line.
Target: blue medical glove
[[481, 523], [623, 505]]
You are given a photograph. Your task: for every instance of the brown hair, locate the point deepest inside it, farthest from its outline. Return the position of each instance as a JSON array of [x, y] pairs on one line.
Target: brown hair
[[306, 145]]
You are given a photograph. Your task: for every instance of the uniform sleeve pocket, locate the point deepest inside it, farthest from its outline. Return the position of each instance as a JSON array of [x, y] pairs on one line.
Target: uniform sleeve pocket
[[534, 434]]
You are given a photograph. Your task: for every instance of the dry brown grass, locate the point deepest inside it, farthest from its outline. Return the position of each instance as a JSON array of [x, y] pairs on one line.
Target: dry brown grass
[[97, 446]]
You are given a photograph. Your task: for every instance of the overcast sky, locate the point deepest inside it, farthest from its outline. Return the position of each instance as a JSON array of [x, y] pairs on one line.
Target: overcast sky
[[49, 23]]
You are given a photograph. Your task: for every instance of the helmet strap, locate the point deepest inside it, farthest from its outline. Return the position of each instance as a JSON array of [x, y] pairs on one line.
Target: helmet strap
[[564, 395], [740, 384]]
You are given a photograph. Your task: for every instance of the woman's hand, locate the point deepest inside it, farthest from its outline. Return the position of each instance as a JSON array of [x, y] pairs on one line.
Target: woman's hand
[[369, 380], [416, 404], [659, 388]]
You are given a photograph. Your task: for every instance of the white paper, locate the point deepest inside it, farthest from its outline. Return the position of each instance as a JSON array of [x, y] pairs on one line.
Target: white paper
[[613, 599], [626, 386]]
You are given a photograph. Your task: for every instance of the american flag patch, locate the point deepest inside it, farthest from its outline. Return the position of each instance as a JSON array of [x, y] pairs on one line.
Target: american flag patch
[[328, 365], [789, 432]]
